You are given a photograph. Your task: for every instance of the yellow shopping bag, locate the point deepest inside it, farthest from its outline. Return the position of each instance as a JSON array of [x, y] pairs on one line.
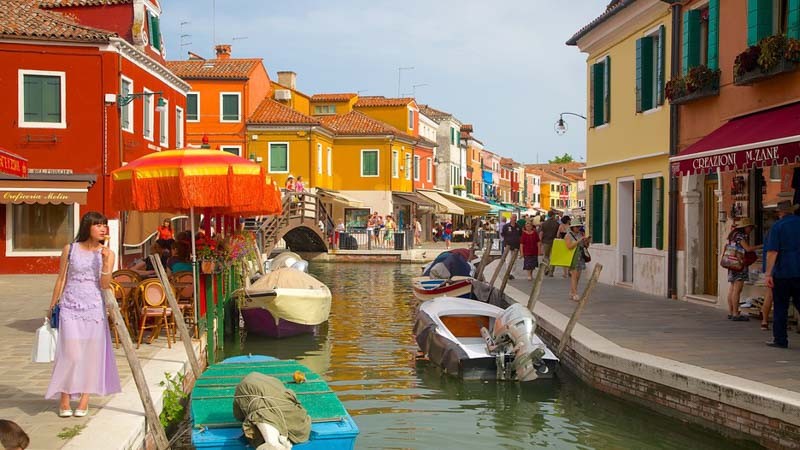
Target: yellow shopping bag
[[560, 255]]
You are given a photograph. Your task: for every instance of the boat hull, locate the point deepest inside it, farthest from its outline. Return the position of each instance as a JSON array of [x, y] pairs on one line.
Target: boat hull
[[284, 312], [427, 288], [261, 322]]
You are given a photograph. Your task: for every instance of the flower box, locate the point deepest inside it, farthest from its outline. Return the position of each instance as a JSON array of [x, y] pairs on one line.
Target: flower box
[[756, 74], [706, 91], [699, 82]]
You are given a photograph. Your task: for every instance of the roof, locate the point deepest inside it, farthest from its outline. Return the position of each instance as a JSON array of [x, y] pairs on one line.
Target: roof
[[22, 19], [425, 142], [274, 113], [434, 113], [46, 4], [548, 176], [357, 123], [614, 7], [204, 69], [468, 135], [375, 101], [342, 97]]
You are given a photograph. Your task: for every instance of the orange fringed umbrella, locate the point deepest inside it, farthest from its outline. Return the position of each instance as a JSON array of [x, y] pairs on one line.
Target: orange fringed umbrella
[[181, 180]]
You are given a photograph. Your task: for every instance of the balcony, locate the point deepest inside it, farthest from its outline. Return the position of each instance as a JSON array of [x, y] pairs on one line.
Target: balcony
[[772, 56], [699, 82]]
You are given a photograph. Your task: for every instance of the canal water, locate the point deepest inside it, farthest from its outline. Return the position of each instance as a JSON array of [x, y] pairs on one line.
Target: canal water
[[368, 355]]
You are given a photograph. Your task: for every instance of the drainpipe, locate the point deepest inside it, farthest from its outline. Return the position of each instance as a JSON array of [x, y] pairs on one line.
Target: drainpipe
[[674, 121]]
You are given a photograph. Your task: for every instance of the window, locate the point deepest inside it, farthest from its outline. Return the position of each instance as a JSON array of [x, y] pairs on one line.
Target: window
[[229, 106], [600, 96], [408, 166], [278, 157], [178, 127], [410, 119], [325, 109], [771, 17], [42, 99], [701, 37], [650, 213], [147, 107], [40, 229], [330, 161], [193, 107], [553, 188], [780, 16], [126, 112], [163, 126], [650, 59], [232, 149], [319, 158], [395, 163], [155, 30], [416, 168], [369, 163], [430, 170], [600, 214], [452, 136]]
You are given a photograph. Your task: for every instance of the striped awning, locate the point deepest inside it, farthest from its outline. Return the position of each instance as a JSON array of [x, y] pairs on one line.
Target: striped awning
[[443, 205]]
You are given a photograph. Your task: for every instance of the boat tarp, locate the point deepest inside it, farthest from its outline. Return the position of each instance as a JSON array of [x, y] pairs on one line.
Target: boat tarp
[[286, 278], [455, 264], [484, 292], [261, 398], [441, 351], [299, 297]]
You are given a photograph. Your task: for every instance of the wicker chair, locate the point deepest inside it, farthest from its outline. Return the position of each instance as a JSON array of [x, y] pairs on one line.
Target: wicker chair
[[129, 281], [119, 294], [183, 283], [154, 306]]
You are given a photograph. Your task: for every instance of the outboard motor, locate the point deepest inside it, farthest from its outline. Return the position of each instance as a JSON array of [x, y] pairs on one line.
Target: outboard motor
[[513, 333], [301, 265]]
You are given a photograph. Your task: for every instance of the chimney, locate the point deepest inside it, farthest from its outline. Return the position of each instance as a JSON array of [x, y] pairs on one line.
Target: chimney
[[223, 51], [288, 79]]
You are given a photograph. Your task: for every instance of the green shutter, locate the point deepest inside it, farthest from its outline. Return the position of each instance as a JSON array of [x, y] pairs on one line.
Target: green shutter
[[607, 89], [598, 105], [607, 214], [34, 89], [759, 20], [659, 210], [191, 107], [230, 107], [661, 58], [644, 214], [713, 34], [794, 19], [278, 158], [52, 99], [155, 33], [691, 39], [596, 213], [644, 74], [637, 195]]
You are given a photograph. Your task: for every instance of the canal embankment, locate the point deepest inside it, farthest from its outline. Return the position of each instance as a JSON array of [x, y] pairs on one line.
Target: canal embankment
[[680, 359]]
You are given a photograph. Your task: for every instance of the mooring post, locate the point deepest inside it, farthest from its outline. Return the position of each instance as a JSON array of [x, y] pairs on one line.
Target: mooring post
[[537, 286], [211, 345], [567, 335], [178, 315], [487, 253], [474, 241], [499, 266], [510, 267], [151, 416]]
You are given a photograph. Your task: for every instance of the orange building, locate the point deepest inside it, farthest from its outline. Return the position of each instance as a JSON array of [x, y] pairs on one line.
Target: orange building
[[225, 92]]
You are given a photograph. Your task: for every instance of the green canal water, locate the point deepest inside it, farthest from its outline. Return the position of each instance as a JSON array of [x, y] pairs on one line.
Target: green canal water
[[368, 355]]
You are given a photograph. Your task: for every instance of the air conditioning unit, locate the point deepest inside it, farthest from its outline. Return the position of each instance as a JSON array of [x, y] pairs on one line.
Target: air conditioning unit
[[283, 94], [254, 137]]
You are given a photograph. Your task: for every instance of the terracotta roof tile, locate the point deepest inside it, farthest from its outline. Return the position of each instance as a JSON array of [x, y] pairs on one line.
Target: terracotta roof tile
[[232, 68], [357, 123], [343, 97], [22, 19], [273, 113], [46, 4], [370, 101], [433, 113], [614, 7]]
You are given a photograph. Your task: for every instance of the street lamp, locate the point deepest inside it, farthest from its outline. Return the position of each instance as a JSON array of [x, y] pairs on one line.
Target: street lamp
[[123, 100], [561, 124]]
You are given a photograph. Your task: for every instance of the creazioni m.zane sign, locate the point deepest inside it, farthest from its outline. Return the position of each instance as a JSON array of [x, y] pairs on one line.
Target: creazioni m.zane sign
[[754, 157]]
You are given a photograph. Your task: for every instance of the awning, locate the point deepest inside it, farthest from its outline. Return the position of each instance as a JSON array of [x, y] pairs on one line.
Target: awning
[[415, 198], [470, 207], [338, 197], [444, 206], [761, 139], [43, 189], [13, 164]]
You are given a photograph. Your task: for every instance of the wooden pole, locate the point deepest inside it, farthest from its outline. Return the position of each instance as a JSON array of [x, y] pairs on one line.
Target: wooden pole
[[474, 240], [581, 303], [487, 253], [178, 315], [537, 286], [499, 267], [514, 256], [151, 416]]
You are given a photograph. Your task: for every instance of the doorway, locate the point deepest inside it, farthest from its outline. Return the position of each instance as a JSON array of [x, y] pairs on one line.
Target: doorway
[[625, 230], [710, 237]]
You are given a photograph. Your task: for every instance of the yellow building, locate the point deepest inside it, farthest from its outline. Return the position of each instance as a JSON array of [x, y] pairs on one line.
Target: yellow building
[[627, 145]]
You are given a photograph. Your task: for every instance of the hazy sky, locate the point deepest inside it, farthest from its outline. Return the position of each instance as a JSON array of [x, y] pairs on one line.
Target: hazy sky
[[500, 65]]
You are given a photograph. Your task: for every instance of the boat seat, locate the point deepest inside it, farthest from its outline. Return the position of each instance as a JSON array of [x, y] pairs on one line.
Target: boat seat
[[465, 326]]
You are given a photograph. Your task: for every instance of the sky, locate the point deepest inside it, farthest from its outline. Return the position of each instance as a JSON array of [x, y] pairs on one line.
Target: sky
[[499, 65]]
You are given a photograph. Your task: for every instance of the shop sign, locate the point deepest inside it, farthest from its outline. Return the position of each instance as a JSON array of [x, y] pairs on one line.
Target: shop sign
[[35, 197], [754, 157], [12, 164], [50, 171]]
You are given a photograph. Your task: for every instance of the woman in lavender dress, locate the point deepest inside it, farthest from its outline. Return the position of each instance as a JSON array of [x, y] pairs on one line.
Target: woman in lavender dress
[[84, 362]]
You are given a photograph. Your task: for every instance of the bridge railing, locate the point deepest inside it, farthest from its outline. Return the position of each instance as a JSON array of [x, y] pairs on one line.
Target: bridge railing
[[302, 207]]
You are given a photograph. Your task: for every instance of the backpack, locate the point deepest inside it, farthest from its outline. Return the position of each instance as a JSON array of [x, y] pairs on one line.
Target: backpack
[[733, 257]]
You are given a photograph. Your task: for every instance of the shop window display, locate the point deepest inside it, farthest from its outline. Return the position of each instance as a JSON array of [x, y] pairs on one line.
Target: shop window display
[[39, 227]]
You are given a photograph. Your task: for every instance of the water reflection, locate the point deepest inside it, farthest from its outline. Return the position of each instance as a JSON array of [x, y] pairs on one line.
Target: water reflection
[[368, 356]]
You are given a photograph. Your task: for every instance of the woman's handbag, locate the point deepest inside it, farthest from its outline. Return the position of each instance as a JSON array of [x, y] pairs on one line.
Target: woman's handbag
[[44, 343], [586, 256], [54, 313], [733, 257], [560, 255]]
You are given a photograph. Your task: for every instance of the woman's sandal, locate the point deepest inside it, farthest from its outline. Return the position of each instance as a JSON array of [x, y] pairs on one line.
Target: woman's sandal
[[764, 326], [64, 413]]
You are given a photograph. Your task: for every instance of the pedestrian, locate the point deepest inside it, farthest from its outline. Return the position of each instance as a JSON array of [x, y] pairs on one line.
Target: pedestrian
[[12, 436], [84, 360], [530, 249], [739, 236], [576, 239], [166, 237], [548, 233], [299, 186], [512, 233], [389, 228], [563, 229], [447, 233], [290, 184], [783, 269], [372, 231], [417, 232]]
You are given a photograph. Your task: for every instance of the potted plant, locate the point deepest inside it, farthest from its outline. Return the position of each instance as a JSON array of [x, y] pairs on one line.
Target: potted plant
[[771, 56], [208, 254], [699, 82]]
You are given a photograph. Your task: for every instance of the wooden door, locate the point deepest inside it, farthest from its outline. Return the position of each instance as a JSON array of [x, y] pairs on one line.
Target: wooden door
[[711, 238]]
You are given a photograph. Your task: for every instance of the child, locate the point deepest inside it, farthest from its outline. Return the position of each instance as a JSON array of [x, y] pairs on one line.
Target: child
[[12, 436]]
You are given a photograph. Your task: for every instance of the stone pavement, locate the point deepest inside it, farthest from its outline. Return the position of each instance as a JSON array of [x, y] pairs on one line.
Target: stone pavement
[[23, 301], [690, 333]]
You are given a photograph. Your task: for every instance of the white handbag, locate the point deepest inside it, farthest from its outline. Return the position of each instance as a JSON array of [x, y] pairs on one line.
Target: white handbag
[[44, 343]]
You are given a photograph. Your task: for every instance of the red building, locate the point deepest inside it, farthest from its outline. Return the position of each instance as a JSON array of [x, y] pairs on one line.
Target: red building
[[424, 170], [79, 101]]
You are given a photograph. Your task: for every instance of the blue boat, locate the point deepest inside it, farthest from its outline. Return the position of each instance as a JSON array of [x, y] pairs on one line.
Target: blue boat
[[215, 427]]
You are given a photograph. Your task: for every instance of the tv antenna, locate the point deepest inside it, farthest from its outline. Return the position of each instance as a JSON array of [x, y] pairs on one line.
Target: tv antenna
[[184, 36]]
